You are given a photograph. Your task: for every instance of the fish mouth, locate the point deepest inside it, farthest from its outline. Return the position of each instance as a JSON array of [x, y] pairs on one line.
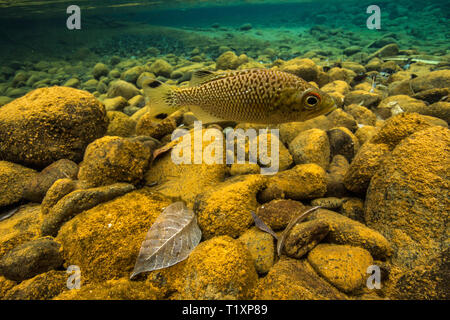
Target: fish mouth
[[330, 110]]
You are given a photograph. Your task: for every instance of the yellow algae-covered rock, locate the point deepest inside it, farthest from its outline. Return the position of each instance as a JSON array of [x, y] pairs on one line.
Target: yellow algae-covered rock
[[340, 118], [292, 279], [339, 86], [123, 89], [399, 127], [435, 79], [261, 247], [161, 68], [393, 105], [278, 213], [346, 231], [186, 180], [121, 289], [13, 180], [115, 104], [335, 177], [361, 114], [147, 127], [42, 287], [290, 130], [36, 189], [19, 228], [365, 133], [304, 236], [49, 124], [77, 201], [30, 259], [237, 169], [304, 181], [342, 141], [225, 209], [367, 161], [105, 240], [120, 124], [114, 159], [367, 99], [409, 195], [342, 74], [311, 146], [219, 268], [227, 60], [5, 286], [343, 266], [303, 68]]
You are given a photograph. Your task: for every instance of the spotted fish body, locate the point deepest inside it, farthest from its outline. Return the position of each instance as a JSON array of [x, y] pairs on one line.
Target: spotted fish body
[[254, 95]]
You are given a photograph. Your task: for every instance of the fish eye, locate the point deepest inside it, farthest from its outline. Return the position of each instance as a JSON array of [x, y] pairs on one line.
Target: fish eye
[[311, 101]]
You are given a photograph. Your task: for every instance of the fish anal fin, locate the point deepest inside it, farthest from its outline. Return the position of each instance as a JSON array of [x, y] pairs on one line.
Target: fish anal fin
[[205, 117]]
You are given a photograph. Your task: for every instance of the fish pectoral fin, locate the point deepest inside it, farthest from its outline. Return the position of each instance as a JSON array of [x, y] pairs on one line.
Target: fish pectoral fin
[[200, 77]]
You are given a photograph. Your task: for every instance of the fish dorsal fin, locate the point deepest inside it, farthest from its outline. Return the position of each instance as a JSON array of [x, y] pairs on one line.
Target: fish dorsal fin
[[200, 77]]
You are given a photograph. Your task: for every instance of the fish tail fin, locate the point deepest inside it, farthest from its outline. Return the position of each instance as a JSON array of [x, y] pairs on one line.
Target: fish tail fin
[[162, 97]]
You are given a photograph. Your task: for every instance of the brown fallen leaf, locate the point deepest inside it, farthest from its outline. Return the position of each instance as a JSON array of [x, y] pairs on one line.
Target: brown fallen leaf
[[171, 238]]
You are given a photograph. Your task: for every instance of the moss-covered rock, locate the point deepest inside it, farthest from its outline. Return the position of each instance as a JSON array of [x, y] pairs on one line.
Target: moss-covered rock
[[120, 289], [303, 237], [311, 146], [367, 161], [304, 181], [120, 124], [49, 124], [41, 287], [407, 199], [291, 279], [225, 210], [343, 266], [114, 159], [30, 259], [261, 247], [13, 180], [110, 235], [36, 189], [350, 232], [19, 228], [77, 201], [219, 268], [277, 213]]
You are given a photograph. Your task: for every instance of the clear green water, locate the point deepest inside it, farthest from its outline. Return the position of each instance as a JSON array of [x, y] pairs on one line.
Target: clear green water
[[33, 30]]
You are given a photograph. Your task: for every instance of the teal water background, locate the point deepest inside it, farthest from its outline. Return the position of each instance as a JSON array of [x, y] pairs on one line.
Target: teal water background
[[35, 30]]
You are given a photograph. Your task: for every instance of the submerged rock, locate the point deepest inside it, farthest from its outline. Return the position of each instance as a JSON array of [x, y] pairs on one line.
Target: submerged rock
[[304, 181], [407, 199], [292, 279], [225, 210], [311, 146], [219, 268], [110, 235], [31, 258], [14, 178], [44, 286], [277, 213], [343, 266], [261, 247], [114, 159], [36, 189], [304, 237], [63, 121], [78, 201]]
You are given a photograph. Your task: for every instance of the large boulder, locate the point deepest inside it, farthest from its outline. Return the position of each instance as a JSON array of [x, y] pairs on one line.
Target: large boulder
[[49, 124], [408, 199]]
